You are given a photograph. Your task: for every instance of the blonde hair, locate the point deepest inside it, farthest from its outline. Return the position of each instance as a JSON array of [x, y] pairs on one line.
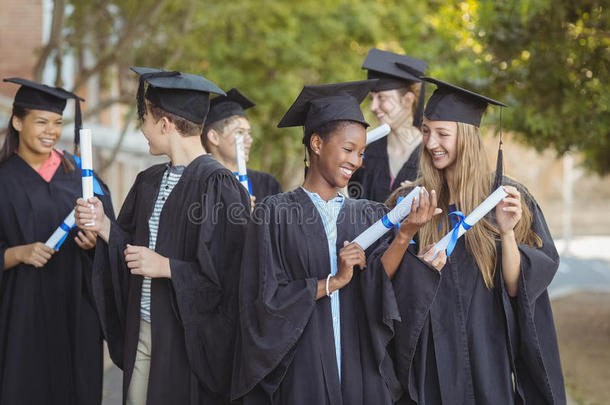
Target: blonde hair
[[473, 182]]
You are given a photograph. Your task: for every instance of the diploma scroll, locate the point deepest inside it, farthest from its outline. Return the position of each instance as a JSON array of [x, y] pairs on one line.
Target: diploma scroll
[[86, 155], [86, 163], [377, 133], [449, 240], [242, 172], [59, 236], [391, 219]]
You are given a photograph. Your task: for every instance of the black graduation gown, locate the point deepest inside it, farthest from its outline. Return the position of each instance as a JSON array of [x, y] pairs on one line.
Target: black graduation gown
[[263, 184], [50, 336], [372, 180], [201, 230], [460, 343], [285, 352]]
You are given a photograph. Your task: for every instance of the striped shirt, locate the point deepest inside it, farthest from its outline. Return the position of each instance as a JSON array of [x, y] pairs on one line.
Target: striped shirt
[[329, 211], [170, 179]]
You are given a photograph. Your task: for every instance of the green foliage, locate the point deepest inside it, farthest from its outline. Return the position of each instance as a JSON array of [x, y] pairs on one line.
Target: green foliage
[[551, 60], [548, 59]]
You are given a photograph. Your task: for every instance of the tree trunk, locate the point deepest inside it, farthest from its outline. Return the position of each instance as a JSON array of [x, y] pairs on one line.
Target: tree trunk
[[57, 26]]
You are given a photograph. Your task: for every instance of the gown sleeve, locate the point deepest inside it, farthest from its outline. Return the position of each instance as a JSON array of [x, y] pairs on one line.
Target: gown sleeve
[[274, 308], [381, 310], [206, 288], [415, 286], [532, 337], [90, 254], [110, 276]]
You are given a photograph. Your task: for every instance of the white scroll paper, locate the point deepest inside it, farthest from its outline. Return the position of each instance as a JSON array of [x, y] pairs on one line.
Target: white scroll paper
[[61, 232], [379, 228], [377, 133], [479, 212], [242, 172], [86, 156]]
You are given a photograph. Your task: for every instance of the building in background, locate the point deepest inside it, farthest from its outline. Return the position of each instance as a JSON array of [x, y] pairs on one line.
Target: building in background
[[24, 29]]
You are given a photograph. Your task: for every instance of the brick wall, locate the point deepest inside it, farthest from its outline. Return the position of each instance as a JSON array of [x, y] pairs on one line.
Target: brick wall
[[20, 39]]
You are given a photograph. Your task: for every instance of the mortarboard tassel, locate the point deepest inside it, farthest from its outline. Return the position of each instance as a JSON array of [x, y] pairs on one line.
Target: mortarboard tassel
[[78, 124], [500, 159], [419, 114], [143, 78]]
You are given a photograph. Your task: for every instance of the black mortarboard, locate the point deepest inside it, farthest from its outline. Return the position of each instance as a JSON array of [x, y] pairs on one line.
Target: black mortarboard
[[183, 94], [319, 104], [384, 66], [234, 103], [453, 103], [37, 96], [395, 71]]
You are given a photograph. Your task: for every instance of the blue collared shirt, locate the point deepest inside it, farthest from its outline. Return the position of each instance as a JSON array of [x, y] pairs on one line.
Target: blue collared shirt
[[329, 211]]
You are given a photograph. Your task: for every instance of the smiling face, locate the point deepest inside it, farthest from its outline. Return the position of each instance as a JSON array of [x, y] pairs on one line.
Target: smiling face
[[391, 106], [39, 131], [440, 141], [340, 153]]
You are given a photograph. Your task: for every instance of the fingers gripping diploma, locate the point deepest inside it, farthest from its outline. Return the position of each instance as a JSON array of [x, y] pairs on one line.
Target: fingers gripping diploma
[[436, 260], [350, 255], [86, 239], [422, 211], [145, 262], [509, 210], [36, 254], [418, 217], [90, 216]]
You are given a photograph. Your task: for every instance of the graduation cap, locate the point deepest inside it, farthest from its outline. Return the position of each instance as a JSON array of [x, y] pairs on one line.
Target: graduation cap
[[38, 96], [183, 94], [453, 103], [384, 65], [233, 103], [319, 104], [395, 71]]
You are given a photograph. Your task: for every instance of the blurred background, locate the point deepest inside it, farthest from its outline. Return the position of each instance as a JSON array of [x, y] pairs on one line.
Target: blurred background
[[549, 60]]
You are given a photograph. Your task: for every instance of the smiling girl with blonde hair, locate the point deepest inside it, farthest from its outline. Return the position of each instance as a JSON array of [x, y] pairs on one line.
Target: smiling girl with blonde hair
[[476, 328]]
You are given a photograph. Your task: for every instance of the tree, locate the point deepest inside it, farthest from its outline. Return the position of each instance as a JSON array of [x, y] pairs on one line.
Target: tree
[[551, 61], [548, 60]]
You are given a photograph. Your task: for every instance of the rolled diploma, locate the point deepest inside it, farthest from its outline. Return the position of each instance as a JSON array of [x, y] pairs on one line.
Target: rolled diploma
[[61, 232], [377, 133], [86, 156], [378, 229], [479, 212], [86, 163], [242, 173]]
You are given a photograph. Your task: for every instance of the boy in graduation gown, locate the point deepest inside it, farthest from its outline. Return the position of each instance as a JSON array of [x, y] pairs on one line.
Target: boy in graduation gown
[[166, 270], [51, 348], [478, 329], [397, 100], [314, 330], [226, 120]]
